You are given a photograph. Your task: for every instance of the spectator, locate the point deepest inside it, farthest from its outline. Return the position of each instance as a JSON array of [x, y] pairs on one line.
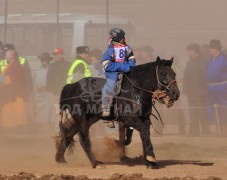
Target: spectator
[[13, 93], [195, 87], [96, 68], [81, 65], [43, 99], [57, 72], [26, 68], [217, 79], [28, 76]]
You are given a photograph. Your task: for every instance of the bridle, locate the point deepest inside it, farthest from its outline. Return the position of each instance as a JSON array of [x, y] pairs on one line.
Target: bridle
[[157, 94], [167, 87]]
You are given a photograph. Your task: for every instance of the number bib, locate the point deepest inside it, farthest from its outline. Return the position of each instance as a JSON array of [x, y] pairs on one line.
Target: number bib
[[120, 53]]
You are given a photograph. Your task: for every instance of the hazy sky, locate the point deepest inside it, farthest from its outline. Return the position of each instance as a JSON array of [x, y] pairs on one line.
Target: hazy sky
[[167, 25]]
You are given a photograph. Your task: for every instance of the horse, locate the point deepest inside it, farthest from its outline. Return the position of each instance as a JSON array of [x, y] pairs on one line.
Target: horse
[[82, 101]]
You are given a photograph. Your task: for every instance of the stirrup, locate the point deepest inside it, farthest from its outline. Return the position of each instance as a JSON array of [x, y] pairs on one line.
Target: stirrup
[[105, 112]]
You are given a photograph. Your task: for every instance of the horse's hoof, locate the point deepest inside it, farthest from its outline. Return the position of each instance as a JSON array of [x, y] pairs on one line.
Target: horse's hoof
[[60, 160], [98, 164], [124, 159], [152, 165]]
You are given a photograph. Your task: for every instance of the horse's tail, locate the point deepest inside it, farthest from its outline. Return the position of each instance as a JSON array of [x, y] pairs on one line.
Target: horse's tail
[[67, 124], [67, 131]]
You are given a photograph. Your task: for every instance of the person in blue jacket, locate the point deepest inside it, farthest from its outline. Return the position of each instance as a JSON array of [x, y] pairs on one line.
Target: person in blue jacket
[[118, 58], [217, 82]]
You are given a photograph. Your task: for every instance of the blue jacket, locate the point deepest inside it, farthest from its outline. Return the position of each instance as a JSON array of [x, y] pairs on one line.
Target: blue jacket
[[115, 64], [217, 69]]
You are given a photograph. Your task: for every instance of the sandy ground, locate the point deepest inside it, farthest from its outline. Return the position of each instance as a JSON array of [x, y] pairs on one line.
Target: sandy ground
[[183, 156]]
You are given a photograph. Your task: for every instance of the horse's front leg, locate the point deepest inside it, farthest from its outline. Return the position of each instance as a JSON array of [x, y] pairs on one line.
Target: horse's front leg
[[149, 155]]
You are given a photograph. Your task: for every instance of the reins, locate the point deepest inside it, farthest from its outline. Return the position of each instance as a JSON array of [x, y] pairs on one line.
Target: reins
[[157, 97], [158, 80]]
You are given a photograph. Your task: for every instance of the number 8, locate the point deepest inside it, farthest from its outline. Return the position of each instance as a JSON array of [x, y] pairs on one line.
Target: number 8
[[121, 55]]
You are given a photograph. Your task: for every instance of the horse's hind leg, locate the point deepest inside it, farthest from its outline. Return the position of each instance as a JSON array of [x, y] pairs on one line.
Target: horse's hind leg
[[64, 140], [86, 145], [61, 144], [122, 140], [129, 132]]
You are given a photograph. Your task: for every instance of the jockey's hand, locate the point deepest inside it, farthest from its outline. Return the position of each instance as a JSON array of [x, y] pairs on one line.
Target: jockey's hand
[[132, 62]]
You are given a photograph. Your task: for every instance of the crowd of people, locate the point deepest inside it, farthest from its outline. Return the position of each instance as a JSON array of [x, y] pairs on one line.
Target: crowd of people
[[30, 100], [204, 83], [27, 99]]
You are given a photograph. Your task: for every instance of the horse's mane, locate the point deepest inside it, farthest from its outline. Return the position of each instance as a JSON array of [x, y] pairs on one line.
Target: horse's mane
[[142, 67], [151, 65]]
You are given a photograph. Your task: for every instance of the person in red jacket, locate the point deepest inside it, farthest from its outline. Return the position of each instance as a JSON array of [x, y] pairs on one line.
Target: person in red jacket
[[13, 92]]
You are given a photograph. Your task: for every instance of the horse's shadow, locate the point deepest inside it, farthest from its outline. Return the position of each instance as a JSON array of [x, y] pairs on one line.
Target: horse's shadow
[[166, 163], [162, 163]]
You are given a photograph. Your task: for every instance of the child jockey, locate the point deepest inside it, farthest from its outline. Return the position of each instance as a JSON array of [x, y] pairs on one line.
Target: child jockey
[[117, 58]]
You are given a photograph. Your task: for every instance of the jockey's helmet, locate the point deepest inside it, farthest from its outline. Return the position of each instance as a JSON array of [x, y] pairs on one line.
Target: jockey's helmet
[[116, 34]]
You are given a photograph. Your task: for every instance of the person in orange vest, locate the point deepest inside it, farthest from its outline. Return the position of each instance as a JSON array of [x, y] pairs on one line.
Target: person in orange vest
[[13, 93], [25, 65]]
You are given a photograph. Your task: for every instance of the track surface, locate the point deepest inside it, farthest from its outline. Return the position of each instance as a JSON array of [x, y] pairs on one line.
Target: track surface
[[179, 157]]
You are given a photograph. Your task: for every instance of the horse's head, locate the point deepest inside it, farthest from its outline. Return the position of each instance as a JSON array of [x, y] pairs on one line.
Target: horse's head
[[167, 91]]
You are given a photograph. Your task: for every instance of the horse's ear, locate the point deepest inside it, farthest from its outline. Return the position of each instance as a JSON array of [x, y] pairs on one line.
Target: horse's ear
[[158, 59], [171, 60]]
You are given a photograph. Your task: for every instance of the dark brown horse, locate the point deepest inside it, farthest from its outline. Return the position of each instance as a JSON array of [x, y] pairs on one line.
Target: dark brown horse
[[83, 101]]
